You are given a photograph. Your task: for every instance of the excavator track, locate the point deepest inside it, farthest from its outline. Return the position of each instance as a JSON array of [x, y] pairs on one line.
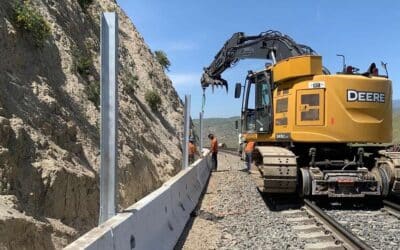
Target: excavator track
[[277, 173]]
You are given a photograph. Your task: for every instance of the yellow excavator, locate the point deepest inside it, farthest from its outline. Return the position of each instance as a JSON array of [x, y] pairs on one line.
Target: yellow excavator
[[317, 133]]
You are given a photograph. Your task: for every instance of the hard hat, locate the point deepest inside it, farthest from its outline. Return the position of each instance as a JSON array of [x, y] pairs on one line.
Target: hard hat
[[191, 138]]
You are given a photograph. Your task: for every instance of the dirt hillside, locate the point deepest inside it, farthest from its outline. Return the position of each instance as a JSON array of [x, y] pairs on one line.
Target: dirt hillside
[[49, 122]]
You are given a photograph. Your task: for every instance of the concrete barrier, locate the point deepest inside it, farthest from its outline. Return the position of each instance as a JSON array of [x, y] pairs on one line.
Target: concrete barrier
[[157, 220]]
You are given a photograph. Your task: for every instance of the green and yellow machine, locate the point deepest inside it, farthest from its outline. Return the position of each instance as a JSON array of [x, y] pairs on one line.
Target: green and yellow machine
[[317, 133]]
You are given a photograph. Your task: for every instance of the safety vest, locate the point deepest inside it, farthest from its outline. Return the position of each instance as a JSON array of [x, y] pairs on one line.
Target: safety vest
[[192, 149], [214, 145], [249, 147]]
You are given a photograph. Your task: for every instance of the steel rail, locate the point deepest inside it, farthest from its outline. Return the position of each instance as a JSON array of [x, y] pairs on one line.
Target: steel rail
[[349, 238], [392, 208], [392, 205]]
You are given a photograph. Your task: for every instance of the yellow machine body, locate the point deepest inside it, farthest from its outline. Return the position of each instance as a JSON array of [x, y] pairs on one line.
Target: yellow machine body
[[309, 106], [317, 134]]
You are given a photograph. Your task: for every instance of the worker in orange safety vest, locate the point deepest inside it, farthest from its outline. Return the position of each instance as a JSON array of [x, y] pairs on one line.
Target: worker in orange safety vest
[[214, 151], [192, 150], [249, 154]]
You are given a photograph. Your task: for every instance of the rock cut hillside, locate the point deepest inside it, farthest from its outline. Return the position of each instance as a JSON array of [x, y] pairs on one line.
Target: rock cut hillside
[[49, 122]]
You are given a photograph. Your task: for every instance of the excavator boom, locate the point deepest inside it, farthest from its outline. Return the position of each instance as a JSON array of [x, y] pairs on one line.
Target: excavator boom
[[269, 45]]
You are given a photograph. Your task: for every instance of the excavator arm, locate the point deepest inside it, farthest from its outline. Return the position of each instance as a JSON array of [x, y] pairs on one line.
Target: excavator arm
[[270, 45]]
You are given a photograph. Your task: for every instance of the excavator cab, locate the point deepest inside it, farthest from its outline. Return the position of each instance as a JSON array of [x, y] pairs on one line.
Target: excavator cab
[[257, 112], [257, 103]]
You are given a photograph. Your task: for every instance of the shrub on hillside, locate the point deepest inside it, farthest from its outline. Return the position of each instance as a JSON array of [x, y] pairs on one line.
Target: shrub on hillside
[[151, 74], [30, 21], [153, 99], [132, 84], [162, 59], [82, 64], [93, 93], [85, 3]]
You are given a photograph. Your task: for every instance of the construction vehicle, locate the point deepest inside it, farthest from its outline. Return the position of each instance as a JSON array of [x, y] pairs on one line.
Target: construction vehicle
[[317, 133]]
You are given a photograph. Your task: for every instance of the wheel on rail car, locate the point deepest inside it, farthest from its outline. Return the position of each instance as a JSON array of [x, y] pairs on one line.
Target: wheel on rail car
[[304, 183], [385, 179]]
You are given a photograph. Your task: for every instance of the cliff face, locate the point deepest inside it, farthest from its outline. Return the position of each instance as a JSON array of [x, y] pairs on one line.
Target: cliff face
[[49, 123]]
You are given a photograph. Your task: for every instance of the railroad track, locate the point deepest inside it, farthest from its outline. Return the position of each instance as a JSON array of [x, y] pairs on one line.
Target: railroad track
[[392, 208], [343, 237], [379, 227], [365, 227], [320, 231]]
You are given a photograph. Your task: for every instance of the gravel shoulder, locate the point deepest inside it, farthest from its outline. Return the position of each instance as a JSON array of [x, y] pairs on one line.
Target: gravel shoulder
[[233, 215], [377, 228]]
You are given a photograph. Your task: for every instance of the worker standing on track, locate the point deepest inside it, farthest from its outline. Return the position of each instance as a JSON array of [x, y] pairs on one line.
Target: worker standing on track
[[249, 154], [214, 151], [192, 150]]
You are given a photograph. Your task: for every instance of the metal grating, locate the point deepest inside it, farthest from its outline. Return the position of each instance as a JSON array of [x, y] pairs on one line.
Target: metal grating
[[310, 115], [310, 99], [282, 105]]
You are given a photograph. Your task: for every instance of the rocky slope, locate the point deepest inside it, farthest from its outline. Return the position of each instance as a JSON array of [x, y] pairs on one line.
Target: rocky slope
[[49, 123]]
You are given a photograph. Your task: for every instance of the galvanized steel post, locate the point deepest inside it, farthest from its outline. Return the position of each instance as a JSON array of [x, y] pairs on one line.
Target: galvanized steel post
[[186, 129], [109, 116], [201, 131]]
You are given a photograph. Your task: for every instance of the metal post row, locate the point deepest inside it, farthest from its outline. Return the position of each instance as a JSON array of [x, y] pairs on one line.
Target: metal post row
[[186, 130]]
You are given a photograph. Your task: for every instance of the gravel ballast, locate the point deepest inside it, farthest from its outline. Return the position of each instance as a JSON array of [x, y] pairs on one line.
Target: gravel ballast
[[377, 228], [233, 215]]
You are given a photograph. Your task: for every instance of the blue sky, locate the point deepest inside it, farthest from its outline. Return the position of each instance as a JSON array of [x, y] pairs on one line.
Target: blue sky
[[192, 32]]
